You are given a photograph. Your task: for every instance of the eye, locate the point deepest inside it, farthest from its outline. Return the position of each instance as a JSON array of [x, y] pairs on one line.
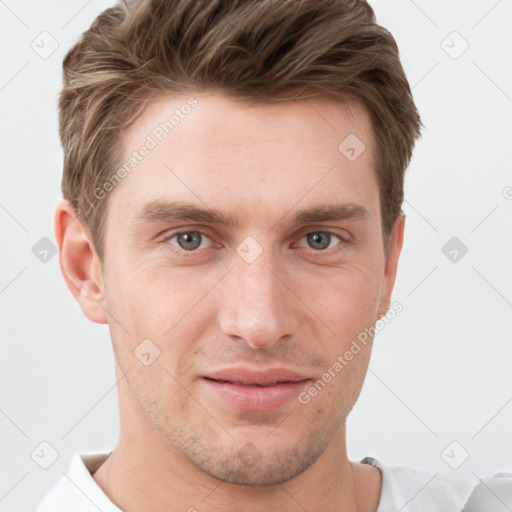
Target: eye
[[188, 240], [322, 240]]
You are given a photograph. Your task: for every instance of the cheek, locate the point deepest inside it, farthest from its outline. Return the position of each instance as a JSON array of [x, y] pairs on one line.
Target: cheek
[[345, 300], [337, 389], [152, 299], [165, 306]]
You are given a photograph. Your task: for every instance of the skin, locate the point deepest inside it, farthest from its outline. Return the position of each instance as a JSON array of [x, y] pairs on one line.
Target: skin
[[296, 306]]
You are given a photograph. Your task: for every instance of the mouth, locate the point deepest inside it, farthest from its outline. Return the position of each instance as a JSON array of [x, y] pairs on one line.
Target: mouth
[[257, 391], [253, 384]]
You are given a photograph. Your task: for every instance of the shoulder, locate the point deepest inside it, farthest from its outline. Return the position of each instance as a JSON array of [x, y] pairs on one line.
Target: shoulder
[[414, 489], [76, 490]]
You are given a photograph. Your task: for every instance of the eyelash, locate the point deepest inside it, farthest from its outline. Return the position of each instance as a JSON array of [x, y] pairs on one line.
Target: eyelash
[[340, 246]]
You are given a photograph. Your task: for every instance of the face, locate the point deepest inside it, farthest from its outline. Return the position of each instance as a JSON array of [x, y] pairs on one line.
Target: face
[[243, 256]]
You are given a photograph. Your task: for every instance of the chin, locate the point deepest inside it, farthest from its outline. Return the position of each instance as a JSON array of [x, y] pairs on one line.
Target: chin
[[258, 462]]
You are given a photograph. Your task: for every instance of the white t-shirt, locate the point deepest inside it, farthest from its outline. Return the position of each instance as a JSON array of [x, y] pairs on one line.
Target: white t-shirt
[[403, 489]]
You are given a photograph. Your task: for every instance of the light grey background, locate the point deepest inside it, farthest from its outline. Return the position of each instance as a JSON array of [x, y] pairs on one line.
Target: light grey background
[[440, 371]]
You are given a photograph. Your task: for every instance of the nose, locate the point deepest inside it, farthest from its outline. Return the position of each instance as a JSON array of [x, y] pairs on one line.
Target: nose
[[258, 306]]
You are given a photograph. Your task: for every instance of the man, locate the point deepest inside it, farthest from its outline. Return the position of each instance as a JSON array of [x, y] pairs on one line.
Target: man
[[233, 180]]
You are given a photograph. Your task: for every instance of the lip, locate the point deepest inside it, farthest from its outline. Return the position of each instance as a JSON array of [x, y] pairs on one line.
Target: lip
[[252, 390], [263, 378]]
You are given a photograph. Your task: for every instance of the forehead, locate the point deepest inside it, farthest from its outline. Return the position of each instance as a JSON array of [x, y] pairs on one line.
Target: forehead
[[215, 150]]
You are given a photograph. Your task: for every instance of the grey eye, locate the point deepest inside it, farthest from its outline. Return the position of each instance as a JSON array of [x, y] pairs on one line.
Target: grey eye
[[189, 240], [319, 240]]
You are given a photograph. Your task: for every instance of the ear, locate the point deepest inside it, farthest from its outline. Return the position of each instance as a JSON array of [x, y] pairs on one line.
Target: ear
[[396, 240], [79, 262]]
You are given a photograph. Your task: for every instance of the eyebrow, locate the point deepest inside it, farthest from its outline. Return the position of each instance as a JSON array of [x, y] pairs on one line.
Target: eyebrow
[[164, 211]]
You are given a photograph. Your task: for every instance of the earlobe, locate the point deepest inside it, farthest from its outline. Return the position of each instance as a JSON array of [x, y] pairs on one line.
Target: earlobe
[[396, 240], [79, 262]]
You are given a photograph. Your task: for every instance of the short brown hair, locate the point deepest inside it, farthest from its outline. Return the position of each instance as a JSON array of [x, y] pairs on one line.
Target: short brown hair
[[253, 50]]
